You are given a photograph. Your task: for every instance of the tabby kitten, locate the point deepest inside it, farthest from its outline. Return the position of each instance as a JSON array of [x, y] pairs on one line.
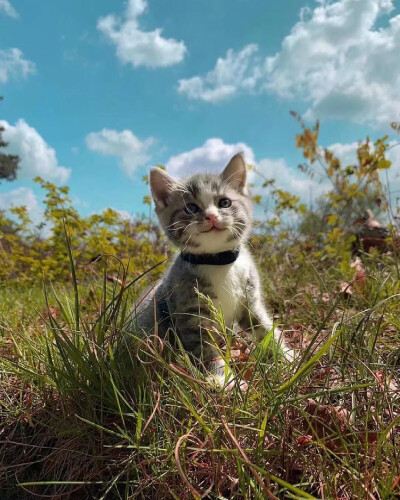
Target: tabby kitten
[[208, 217]]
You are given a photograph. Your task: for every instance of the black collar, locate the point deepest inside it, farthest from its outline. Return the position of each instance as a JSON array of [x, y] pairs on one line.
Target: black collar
[[211, 259]]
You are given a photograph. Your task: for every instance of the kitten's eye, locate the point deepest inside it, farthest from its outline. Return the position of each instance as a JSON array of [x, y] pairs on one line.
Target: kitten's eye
[[224, 203], [192, 209]]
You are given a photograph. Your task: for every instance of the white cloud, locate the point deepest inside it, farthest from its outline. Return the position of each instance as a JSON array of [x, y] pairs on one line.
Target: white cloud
[[8, 9], [22, 197], [214, 154], [212, 157], [334, 58], [337, 60], [14, 65], [291, 179], [137, 47], [37, 157], [238, 71], [132, 152], [345, 152]]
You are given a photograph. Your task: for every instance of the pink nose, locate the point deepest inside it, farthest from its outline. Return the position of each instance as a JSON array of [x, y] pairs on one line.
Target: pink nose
[[212, 218]]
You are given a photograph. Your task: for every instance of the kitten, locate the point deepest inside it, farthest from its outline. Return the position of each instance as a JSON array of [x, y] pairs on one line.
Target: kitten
[[208, 217]]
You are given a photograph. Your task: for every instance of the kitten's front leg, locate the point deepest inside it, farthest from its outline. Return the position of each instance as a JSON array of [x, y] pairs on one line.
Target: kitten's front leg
[[193, 331], [219, 371], [223, 376]]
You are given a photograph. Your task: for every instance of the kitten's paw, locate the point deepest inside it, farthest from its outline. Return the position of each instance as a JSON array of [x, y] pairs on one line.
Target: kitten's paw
[[289, 354], [223, 378], [218, 380], [243, 386], [221, 382]]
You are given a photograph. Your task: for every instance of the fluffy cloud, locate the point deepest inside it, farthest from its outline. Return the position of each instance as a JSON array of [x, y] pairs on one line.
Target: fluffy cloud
[[8, 9], [338, 61], [14, 65], [291, 179], [215, 154], [22, 197], [131, 151], [334, 58], [138, 47], [212, 156], [37, 157], [238, 71]]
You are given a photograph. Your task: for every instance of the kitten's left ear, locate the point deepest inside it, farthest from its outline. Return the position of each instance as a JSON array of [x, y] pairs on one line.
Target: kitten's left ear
[[235, 173]]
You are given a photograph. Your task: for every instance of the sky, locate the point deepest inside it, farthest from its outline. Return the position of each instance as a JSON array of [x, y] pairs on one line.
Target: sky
[[97, 92]]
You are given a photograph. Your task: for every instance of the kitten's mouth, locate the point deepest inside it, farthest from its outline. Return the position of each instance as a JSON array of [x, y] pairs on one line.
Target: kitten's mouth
[[214, 228]]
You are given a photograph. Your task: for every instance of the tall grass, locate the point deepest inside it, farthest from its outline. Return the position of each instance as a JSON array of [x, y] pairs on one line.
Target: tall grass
[[84, 417]]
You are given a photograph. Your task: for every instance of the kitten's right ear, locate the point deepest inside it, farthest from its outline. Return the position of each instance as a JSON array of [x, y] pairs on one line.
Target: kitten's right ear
[[162, 185]]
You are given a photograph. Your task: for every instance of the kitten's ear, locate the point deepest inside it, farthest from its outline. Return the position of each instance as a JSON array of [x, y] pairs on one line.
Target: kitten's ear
[[162, 185], [235, 173]]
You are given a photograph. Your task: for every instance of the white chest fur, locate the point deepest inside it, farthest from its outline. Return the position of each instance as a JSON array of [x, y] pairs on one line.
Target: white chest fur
[[229, 285]]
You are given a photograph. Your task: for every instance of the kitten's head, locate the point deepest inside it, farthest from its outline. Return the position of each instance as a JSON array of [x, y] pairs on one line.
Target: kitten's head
[[206, 213]]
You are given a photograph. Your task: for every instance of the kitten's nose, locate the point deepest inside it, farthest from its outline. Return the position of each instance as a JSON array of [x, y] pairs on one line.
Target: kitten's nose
[[211, 217]]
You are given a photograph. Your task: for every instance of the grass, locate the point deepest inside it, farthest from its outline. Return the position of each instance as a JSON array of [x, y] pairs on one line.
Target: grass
[[77, 420]]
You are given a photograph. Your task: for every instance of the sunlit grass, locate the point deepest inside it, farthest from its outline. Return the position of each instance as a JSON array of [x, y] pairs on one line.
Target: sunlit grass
[[83, 417]]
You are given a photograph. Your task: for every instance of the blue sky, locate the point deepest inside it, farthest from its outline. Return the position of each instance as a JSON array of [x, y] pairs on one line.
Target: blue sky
[[98, 91]]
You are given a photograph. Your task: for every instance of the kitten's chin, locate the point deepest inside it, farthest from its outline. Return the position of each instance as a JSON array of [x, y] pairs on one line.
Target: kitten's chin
[[213, 242]]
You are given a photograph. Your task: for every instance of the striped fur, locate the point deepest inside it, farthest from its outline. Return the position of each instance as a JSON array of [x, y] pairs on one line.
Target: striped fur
[[234, 287]]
